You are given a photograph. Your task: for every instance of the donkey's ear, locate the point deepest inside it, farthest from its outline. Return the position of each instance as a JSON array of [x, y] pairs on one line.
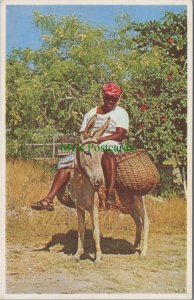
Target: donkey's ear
[[99, 132], [81, 137], [89, 126]]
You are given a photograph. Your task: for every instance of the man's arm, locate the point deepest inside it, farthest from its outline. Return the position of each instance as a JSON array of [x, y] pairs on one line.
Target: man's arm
[[118, 136]]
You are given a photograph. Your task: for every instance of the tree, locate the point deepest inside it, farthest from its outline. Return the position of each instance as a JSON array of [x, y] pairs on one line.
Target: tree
[[157, 88], [58, 83]]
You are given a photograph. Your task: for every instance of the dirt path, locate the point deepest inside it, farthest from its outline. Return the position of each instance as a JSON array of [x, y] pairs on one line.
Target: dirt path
[[32, 270]]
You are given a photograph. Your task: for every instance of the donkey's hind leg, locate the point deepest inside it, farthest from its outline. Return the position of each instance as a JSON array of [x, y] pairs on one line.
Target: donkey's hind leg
[[130, 199], [138, 225], [140, 208], [81, 233]]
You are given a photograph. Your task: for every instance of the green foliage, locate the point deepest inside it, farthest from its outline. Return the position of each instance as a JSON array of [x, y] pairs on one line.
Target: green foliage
[[49, 90]]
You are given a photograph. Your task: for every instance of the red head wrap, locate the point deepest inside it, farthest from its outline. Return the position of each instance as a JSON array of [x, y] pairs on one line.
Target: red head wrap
[[112, 89]]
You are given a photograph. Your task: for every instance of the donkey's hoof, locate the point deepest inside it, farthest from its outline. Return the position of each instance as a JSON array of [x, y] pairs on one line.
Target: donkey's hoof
[[137, 251], [98, 263], [143, 254], [76, 258], [98, 260]]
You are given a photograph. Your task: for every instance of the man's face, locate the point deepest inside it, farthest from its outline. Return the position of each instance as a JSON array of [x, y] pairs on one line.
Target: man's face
[[109, 102]]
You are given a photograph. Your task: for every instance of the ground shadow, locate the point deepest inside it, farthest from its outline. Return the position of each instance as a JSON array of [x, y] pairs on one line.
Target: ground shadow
[[69, 243]]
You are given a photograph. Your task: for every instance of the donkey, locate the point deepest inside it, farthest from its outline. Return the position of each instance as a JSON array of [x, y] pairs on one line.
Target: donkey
[[85, 182]]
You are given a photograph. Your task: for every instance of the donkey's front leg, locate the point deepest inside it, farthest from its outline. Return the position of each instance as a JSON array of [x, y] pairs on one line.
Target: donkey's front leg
[[96, 232], [81, 233]]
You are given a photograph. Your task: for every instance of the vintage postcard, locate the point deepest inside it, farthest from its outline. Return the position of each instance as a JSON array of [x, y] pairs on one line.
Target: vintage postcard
[[96, 149]]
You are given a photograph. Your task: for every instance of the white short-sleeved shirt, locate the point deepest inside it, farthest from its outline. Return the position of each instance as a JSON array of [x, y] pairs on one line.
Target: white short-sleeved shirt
[[118, 118]]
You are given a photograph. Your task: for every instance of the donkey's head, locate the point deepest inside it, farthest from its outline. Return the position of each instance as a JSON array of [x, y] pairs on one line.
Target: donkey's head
[[90, 154]]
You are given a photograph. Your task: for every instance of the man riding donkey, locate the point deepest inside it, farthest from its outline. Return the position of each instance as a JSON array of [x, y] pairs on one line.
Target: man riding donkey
[[110, 140]]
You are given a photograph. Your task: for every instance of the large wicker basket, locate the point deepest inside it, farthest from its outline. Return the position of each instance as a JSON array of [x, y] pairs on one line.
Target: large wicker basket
[[136, 173]]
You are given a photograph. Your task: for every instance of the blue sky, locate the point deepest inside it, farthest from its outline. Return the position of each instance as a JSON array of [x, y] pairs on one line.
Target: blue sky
[[21, 31]]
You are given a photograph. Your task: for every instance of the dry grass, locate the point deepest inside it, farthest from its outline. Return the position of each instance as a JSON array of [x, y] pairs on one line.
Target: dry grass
[[31, 234], [169, 216], [28, 182]]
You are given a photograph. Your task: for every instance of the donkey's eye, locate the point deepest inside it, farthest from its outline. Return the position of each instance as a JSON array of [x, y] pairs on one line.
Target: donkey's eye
[[88, 153]]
